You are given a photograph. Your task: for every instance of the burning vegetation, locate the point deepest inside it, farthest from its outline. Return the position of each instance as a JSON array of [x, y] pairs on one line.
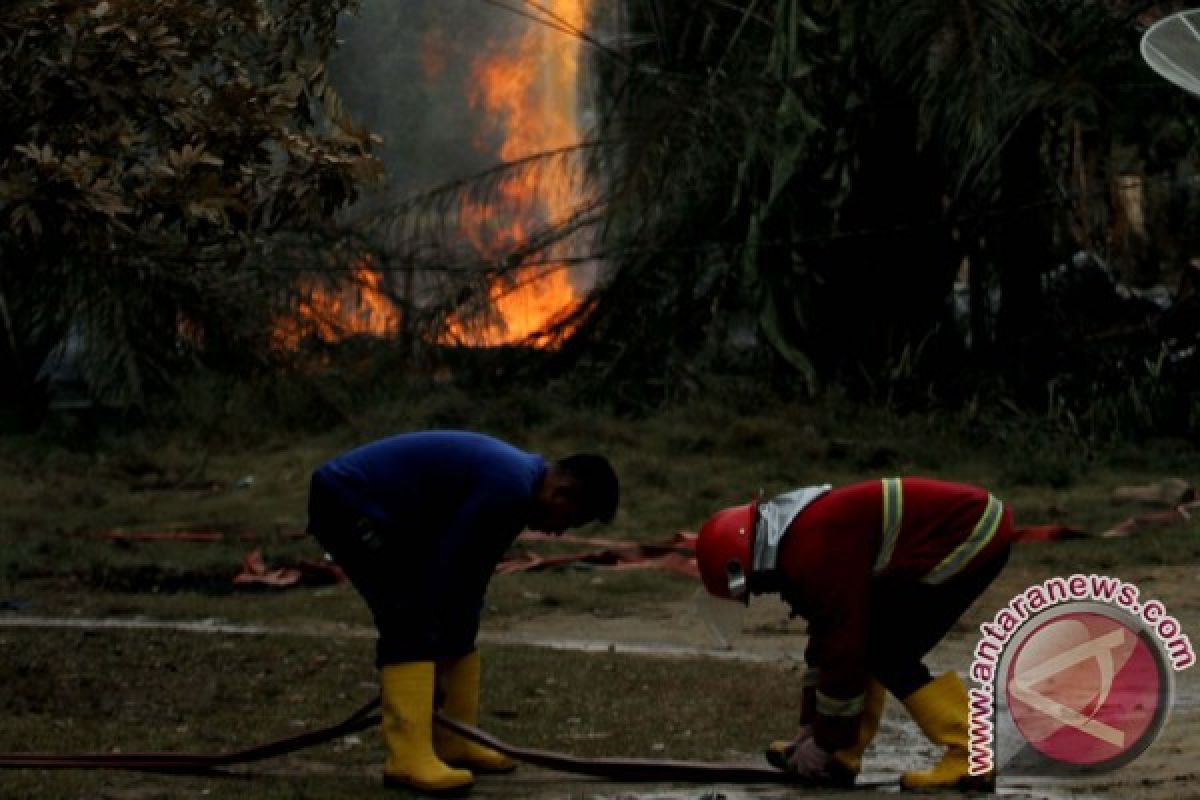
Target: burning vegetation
[[527, 92], [331, 313], [523, 93]]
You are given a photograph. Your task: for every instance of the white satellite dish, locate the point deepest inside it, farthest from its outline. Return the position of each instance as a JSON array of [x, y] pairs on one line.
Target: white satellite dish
[[1172, 49]]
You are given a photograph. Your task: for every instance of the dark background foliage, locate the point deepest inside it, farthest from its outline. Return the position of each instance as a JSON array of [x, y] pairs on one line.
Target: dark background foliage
[[917, 202], [821, 175], [149, 153]]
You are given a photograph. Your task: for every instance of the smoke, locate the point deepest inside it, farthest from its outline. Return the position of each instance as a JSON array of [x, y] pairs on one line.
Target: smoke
[[403, 70]]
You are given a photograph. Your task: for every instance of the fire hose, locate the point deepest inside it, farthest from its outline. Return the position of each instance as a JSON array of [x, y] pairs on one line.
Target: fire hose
[[621, 769], [194, 763]]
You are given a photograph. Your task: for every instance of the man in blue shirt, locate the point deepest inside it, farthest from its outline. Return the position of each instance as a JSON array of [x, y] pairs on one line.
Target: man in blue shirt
[[418, 522]]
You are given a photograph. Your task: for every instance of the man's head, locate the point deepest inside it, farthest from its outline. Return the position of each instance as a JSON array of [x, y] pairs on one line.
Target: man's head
[[574, 491]]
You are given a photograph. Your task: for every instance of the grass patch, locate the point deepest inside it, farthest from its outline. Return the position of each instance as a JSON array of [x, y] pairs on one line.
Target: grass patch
[[677, 467]]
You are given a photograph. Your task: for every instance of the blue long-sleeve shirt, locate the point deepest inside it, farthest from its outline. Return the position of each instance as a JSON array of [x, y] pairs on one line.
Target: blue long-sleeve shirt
[[458, 499]]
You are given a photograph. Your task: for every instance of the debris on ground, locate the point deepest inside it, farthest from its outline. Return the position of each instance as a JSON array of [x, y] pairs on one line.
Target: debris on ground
[[677, 554], [305, 572], [1169, 491]]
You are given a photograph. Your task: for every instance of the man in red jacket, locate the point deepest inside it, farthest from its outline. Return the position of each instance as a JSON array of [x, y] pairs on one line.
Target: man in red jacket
[[881, 570]]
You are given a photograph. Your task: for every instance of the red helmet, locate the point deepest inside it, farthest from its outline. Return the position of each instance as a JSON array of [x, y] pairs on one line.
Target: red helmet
[[723, 551]]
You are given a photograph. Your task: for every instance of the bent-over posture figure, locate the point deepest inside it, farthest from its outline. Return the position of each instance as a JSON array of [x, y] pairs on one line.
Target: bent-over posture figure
[[881, 570], [418, 522]]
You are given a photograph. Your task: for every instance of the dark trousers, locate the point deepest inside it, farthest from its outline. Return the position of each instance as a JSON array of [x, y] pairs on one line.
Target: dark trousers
[[390, 571], [908, 618]]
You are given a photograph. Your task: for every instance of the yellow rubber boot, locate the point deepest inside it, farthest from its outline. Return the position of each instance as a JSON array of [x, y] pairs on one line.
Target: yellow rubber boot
[[940, 709], [849, 759], [408, 732], [458, 679]]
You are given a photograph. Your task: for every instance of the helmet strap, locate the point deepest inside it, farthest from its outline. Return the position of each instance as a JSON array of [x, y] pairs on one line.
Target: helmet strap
[[735, 581]]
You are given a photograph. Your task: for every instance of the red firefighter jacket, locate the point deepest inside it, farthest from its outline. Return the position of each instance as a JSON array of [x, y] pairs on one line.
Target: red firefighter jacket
[[917, 529]]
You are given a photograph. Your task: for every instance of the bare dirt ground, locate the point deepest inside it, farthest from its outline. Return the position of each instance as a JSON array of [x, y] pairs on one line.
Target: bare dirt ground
[[694, 632], [1169, 769]]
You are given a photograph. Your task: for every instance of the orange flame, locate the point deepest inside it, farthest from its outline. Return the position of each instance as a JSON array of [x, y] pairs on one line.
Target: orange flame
[[360, 309], [528, 92]]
